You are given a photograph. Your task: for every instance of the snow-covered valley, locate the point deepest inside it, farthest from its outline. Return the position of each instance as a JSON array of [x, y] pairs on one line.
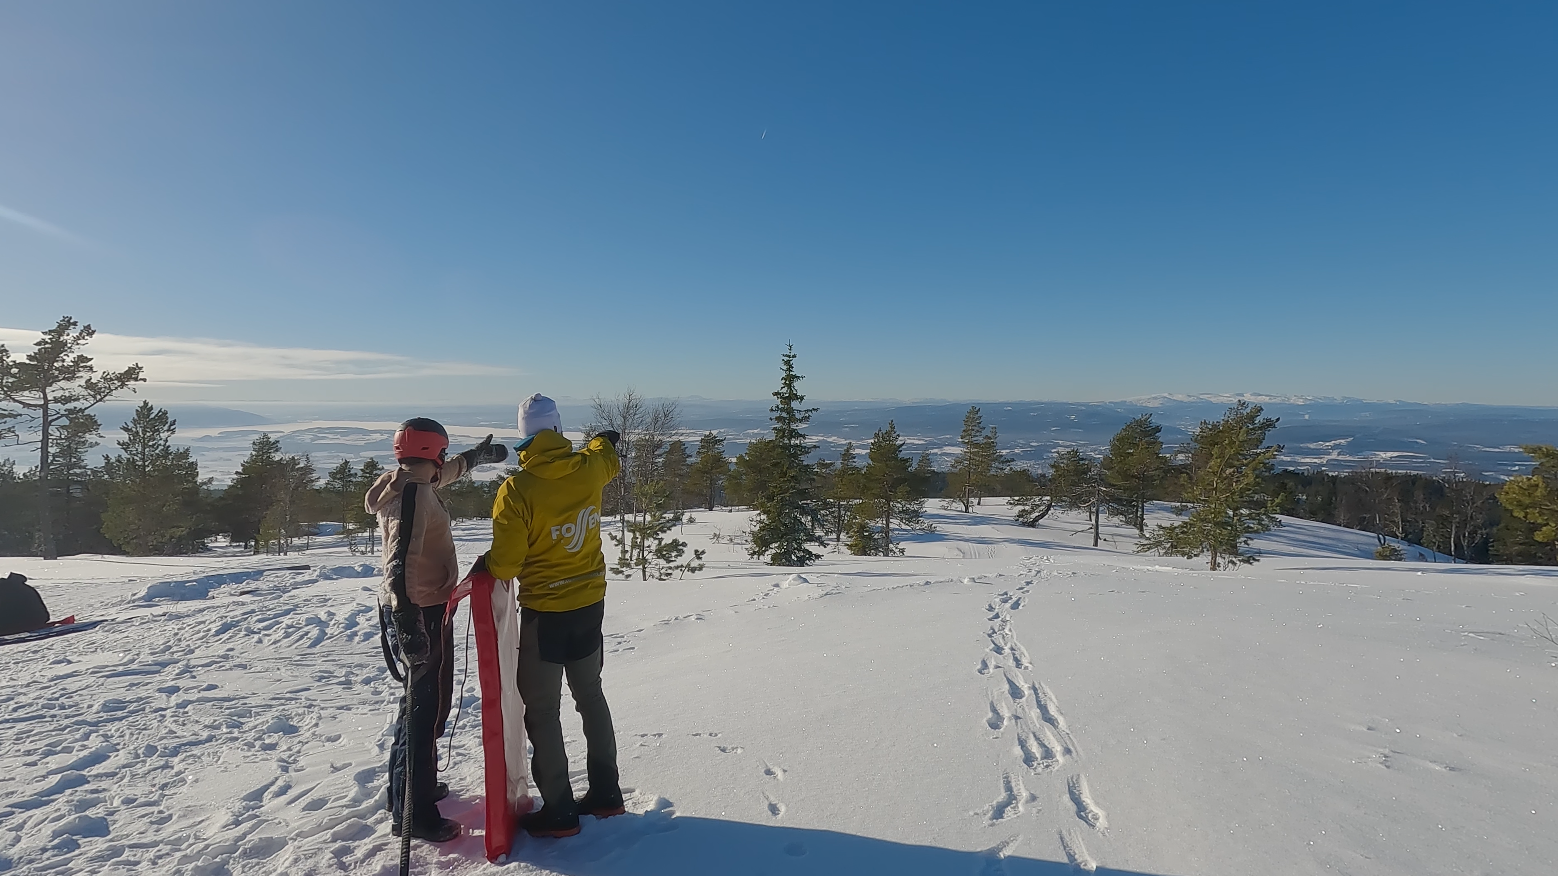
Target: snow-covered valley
[[999, 700]]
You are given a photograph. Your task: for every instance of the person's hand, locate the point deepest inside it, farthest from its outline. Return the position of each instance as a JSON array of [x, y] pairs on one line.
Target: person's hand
[[412, 636], [480, 566], [611, 435], [485, 453]]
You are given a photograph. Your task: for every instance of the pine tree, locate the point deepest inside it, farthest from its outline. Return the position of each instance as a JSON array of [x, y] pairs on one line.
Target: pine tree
[[840, 492], [18, 511], [54, 386], [926, 479], [272, 498], [1534, 497], [249, 497], [1228, 466], [1033, 503], [980, 465], [787, 518], [643, 546], [1071, 480], [888, 498], [293, 506], [706, 476], [343, 500], [674, 471], [1134, 469], [79, 493], [369, 523], [155, 505]]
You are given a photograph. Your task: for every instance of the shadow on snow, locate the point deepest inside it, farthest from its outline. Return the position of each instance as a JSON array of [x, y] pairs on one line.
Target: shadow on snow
[[656, 844]]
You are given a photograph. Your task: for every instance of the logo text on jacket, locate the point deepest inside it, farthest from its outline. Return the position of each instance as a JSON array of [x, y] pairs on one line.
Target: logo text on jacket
[[574, 532]]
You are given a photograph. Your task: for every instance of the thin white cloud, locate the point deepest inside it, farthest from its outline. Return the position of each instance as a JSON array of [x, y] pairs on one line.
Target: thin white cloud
[[207, 362], [37, 224]]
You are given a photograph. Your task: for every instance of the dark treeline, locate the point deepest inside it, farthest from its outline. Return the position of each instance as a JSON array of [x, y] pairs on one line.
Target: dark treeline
[[150, 498], [1449, 512]]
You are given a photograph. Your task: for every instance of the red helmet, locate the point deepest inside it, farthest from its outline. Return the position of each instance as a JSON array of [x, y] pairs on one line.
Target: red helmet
[[421, 438]]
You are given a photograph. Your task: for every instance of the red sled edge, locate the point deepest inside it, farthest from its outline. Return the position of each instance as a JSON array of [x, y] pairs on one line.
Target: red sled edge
[[502, 822]]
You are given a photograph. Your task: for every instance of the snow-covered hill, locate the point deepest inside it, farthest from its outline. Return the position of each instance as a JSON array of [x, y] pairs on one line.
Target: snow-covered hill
[[999, 700]]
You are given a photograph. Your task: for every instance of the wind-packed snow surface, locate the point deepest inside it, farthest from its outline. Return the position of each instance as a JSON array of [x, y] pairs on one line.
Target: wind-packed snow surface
[[1000, 700]]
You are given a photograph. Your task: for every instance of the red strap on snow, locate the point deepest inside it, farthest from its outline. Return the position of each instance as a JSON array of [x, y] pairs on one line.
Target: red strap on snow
[[507, 781]]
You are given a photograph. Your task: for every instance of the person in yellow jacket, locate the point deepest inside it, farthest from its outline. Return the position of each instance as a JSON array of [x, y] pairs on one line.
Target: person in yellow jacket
[[546, 534]]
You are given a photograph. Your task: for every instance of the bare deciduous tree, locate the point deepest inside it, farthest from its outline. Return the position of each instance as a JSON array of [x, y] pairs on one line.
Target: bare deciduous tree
[[647, 427]]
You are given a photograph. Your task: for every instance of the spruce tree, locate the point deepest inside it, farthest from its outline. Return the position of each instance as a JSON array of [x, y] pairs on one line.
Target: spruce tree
[[155, 505], [1228, 467], [888, 498], [53, 387], [1533, 498], [1134, 469], [706, 476], [787, 518]]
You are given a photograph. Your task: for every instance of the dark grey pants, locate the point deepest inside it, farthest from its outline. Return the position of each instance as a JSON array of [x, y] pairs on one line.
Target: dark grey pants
[[561, 636]]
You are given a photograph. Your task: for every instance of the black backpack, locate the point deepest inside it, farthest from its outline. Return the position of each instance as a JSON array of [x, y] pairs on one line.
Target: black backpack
[[21, 608]]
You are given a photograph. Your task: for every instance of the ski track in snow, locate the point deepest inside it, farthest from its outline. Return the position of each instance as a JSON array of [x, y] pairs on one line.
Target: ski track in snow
[[1023, 705]]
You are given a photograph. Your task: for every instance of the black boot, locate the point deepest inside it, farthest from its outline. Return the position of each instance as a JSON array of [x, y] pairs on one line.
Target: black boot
[[440, 831], [601, 802], [552, 821]]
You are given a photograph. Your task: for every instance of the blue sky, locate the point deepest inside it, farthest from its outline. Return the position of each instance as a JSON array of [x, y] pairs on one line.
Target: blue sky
[[1079, 201]]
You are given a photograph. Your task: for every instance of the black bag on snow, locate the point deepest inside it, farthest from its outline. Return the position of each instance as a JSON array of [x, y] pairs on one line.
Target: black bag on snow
[[21, 608]]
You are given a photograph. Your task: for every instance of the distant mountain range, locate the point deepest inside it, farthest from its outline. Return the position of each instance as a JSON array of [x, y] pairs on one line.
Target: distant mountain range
[[1336, 434]]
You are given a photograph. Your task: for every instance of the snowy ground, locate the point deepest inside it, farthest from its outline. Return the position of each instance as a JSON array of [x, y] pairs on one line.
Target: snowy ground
[[999, 701]]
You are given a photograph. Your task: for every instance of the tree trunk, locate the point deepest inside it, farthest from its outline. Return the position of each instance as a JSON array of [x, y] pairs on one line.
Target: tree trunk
[[46, 508]]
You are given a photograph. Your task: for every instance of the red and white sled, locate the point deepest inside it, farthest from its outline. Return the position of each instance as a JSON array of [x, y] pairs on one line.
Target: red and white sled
[[503, 741]]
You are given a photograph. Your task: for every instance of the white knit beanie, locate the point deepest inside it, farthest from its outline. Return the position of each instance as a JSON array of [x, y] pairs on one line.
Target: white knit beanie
[[536, 413]]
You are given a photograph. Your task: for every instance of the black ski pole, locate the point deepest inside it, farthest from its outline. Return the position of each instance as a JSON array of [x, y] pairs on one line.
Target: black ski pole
[[408, 759]]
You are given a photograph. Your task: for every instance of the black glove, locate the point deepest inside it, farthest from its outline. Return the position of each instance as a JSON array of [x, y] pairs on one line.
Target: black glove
[[412, 636], [480, 565], [611, 435], [485, 453]]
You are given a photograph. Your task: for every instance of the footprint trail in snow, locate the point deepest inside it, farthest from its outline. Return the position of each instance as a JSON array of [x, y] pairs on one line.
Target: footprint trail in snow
[[1023, 710]]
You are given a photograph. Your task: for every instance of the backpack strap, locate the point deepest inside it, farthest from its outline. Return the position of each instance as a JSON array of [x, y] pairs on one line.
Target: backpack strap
[[397, 571]]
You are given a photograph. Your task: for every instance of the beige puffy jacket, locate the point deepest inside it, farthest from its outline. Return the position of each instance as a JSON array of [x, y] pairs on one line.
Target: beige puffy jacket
[[431, 567]]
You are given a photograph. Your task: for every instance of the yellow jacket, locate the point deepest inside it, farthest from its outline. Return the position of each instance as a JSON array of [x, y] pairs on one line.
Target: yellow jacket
[[546, 523]]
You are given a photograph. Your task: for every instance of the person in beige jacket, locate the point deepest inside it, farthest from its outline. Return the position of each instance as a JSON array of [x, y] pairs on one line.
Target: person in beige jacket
[[420, 573]]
